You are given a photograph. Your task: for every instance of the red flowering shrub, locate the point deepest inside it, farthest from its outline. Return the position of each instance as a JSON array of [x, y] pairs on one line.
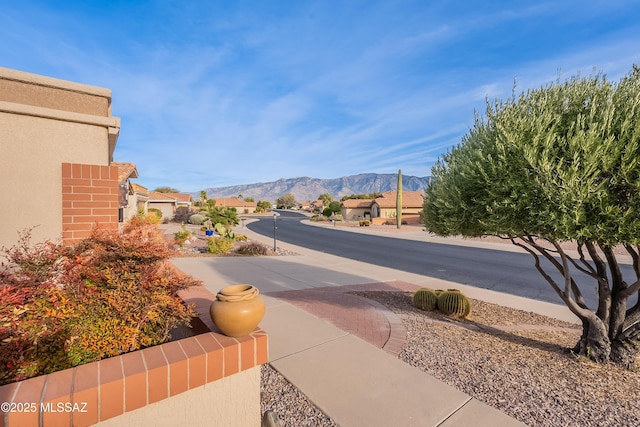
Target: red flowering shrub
[[109, 294]]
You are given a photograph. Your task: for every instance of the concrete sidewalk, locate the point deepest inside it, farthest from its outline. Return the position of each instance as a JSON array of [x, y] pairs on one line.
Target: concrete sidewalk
[[353, 381]]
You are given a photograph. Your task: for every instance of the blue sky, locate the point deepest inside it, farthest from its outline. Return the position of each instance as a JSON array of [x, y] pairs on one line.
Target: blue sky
[[215, 93]]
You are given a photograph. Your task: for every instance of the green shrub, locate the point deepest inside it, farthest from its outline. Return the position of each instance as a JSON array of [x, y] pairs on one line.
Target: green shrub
[[197, 219], [222, 215], [225, 232], [253, 248], [219, 245], [183, 214], [365, 223], [181, 236], [156, 212], [454, 303], [241, 238]]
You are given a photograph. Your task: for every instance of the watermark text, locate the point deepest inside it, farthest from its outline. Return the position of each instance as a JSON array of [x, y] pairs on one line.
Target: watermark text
[[68, 407]]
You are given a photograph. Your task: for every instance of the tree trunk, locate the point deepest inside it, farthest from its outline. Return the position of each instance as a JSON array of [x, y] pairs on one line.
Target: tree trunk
[[594, 342], [626, 353]]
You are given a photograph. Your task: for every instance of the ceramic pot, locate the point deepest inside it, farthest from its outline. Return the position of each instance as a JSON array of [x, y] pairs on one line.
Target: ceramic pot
[[237, 310]]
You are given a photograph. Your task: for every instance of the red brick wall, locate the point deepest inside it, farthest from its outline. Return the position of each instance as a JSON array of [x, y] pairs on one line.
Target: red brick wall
[[89, 197]]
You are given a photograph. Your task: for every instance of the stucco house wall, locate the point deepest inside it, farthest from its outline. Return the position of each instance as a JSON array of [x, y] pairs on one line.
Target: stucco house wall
[[45, 122], [384, 206], [356, 209], [140, 198], [167, 208], [241, 206]]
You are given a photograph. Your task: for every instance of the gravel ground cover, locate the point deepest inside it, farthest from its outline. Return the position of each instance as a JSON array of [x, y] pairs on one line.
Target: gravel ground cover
[[291, 406], [517, 362]]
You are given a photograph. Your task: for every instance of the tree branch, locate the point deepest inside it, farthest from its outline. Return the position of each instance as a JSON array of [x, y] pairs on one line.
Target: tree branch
[[630, 290], [632, 317], [589, 268], [604, 292], [636, 259], [575, 290], [614, 268], [581, 312], [631, 332], [601, 266], [565, 267]]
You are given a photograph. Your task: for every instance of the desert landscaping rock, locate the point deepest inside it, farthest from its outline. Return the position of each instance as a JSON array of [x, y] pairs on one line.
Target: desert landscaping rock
[[526, 373], [291, 406], [516, 361]]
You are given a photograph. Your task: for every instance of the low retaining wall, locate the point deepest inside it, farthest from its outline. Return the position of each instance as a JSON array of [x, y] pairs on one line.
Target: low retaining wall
[[207, 379], [406, 219]]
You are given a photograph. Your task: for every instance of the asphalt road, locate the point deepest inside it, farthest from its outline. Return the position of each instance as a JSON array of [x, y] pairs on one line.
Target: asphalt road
[[502, 271]]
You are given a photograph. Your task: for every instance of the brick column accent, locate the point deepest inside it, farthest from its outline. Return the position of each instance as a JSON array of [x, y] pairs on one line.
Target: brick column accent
[[89, 197]]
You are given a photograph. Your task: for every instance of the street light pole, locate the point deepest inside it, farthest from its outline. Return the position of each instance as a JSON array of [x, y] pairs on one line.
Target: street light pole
[[274, 231]]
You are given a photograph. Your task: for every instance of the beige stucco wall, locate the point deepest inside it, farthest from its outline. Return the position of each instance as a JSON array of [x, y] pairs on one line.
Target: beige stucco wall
[[391, 212], [45, 122], [352, 214], [40, 91], [167, 209], [230, 401], [132, 207]]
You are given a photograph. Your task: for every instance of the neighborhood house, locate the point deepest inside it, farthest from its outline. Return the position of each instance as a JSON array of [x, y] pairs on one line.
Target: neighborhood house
[[241, 206], [167, 203], [57, 139], [382, 209]]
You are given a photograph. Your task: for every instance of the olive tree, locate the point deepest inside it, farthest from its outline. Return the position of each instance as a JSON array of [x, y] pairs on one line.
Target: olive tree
[[326, 198], [558, 164], [286, 201]]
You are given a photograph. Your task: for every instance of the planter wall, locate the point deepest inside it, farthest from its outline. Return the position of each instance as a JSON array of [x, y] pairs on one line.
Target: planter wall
[[161, 385]]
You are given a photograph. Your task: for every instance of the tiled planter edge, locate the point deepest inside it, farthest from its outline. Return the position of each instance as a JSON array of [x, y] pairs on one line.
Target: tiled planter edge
[[87, 394]]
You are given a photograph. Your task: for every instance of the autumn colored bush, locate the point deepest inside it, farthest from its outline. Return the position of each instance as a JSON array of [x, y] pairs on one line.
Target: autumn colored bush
[[61, 306]]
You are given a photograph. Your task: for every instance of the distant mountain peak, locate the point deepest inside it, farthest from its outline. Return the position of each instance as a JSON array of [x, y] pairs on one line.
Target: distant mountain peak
[[307, 189]]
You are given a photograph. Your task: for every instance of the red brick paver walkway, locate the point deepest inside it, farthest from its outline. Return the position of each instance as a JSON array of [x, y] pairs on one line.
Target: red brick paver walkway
[[359, 316]]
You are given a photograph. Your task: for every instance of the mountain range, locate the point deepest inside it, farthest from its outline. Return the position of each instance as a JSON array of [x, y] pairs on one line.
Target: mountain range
[[308, 189]]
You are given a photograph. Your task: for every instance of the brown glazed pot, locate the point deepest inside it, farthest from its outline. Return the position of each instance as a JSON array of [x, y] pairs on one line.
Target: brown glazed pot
[[237, 310]]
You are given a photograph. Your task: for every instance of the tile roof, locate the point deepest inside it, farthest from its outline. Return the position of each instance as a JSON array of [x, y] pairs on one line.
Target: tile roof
[[233, 202], [157, 196], [357, 203], [140, 189], [182, 197], [410, 199], [125, 170]]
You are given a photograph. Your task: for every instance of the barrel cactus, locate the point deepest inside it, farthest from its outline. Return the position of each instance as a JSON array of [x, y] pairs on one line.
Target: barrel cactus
[[196, 219], [454, 303], [399, 200], [425, 299]]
